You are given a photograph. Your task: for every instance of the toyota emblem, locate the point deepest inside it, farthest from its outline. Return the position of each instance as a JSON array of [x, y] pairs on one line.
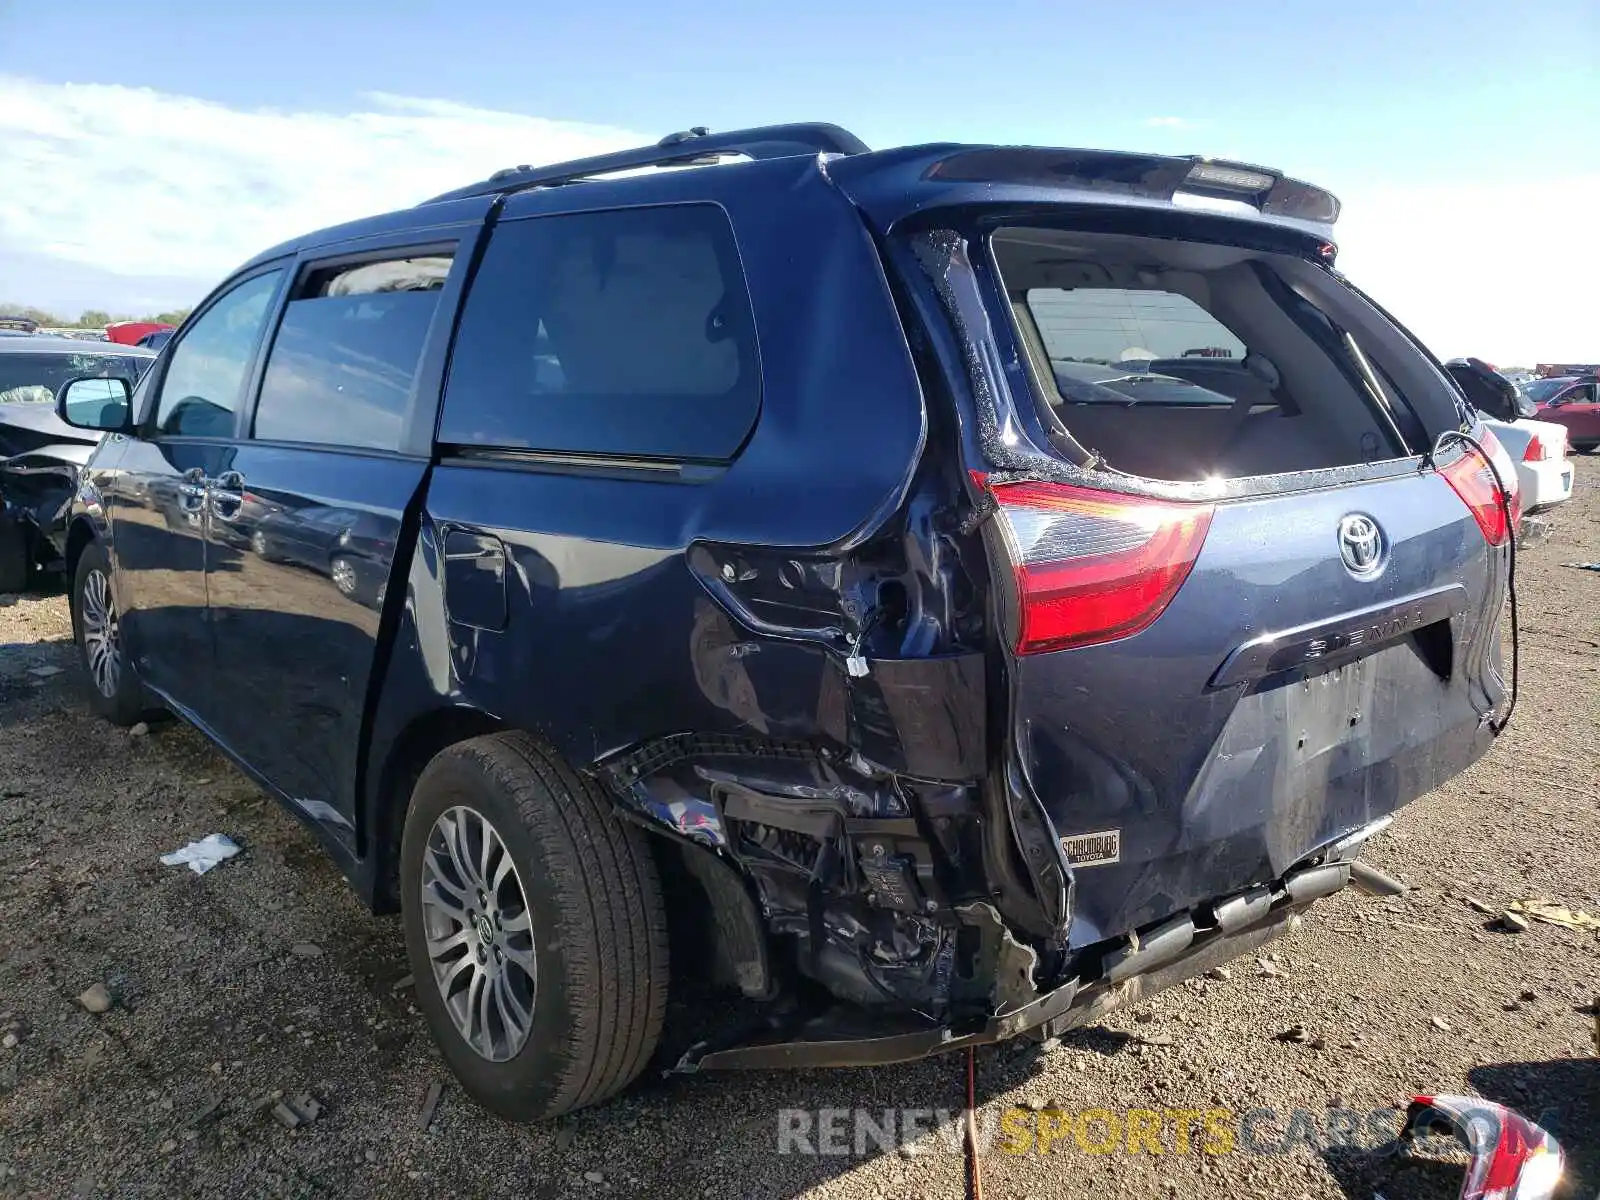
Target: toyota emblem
[[1360, 544]]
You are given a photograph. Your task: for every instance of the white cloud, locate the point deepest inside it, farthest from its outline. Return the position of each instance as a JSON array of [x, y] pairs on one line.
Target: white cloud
[[1505, 270], [127, 198], [141, 183]]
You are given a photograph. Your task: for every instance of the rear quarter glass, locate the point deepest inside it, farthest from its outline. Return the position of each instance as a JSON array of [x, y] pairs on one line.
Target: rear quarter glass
[[626, 332]]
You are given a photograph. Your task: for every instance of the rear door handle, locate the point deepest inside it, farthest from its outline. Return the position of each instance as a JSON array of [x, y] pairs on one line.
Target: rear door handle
[[227, 494]]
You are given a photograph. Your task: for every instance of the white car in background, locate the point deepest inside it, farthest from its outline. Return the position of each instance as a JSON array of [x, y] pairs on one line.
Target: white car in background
[[1538, 448]]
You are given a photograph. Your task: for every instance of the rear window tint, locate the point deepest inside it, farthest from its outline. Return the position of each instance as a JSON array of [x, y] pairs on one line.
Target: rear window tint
[[625, 332], [345, 358]]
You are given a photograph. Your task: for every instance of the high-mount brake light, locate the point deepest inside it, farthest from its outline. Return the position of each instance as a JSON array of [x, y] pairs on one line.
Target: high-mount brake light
[[1226, 175], [1094, 566]]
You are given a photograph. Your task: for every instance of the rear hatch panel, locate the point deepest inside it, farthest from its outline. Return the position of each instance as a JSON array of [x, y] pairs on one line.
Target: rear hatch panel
[[1279, 702]]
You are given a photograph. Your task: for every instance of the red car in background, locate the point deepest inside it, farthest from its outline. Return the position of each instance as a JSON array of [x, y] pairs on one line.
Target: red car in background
[[129, 332], [1573, 401]]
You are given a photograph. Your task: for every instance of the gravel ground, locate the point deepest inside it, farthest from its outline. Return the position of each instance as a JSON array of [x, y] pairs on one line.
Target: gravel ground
[[265, 979]]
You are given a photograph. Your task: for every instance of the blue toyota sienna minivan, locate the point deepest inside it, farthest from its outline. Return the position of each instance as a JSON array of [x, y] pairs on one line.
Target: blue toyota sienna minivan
[[941, 594]]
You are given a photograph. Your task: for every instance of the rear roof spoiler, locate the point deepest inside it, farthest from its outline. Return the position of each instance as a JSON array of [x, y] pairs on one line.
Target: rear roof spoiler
[[1147, 176], [1138, 177]]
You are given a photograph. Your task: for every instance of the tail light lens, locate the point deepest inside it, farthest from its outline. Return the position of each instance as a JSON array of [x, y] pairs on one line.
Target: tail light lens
[[1094, 566], [1512, 1158], [1543, 447], [1473, 480]]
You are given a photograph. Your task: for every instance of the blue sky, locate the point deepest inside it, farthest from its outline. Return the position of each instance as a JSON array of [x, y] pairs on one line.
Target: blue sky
[[1461, 136]]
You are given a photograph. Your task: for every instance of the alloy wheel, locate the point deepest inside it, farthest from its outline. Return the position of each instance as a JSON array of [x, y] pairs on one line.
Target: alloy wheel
[[344, 575], [102, 645], [480, 937]]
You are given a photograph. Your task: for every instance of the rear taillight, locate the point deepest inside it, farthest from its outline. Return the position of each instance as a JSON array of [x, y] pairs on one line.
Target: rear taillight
[[1544, 447], [1094, 566], [1474, 482]]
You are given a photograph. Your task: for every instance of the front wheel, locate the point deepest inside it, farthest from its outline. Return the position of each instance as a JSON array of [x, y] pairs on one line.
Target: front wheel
[[114, 693], [535, 928]]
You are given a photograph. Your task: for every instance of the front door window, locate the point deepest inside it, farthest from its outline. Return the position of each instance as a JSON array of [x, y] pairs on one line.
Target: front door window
[[206, 372]]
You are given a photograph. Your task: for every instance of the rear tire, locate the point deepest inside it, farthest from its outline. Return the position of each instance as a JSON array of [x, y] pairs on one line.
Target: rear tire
[[114, 692], [1586, 447], [593, 908]]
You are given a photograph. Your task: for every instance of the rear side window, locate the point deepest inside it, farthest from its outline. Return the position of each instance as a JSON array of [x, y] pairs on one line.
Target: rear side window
[[344, 362], [626, 332]]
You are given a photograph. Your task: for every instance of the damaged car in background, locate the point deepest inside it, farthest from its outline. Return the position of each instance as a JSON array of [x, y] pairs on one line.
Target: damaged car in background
[[968, 588], [40, 454], [1538, 447]]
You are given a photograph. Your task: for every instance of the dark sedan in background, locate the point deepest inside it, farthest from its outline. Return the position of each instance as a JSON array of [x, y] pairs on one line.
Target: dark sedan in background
[[40, 454]]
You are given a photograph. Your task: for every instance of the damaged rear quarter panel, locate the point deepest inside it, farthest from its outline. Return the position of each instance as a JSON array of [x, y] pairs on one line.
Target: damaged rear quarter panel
[[778, 658], [610, 640]]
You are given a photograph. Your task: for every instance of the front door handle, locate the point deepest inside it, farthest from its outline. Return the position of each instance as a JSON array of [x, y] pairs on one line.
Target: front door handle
[[192, 489]]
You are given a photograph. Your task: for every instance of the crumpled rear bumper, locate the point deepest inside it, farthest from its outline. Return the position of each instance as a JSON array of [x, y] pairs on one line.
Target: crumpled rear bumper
[[831, 1041]]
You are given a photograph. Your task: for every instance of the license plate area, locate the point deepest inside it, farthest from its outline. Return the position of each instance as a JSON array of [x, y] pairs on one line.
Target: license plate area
[[1325, 711]]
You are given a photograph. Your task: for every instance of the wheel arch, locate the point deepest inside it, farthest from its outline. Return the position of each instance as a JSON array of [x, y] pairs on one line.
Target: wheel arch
[[79, 535], [416, 745], [694, 905]]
